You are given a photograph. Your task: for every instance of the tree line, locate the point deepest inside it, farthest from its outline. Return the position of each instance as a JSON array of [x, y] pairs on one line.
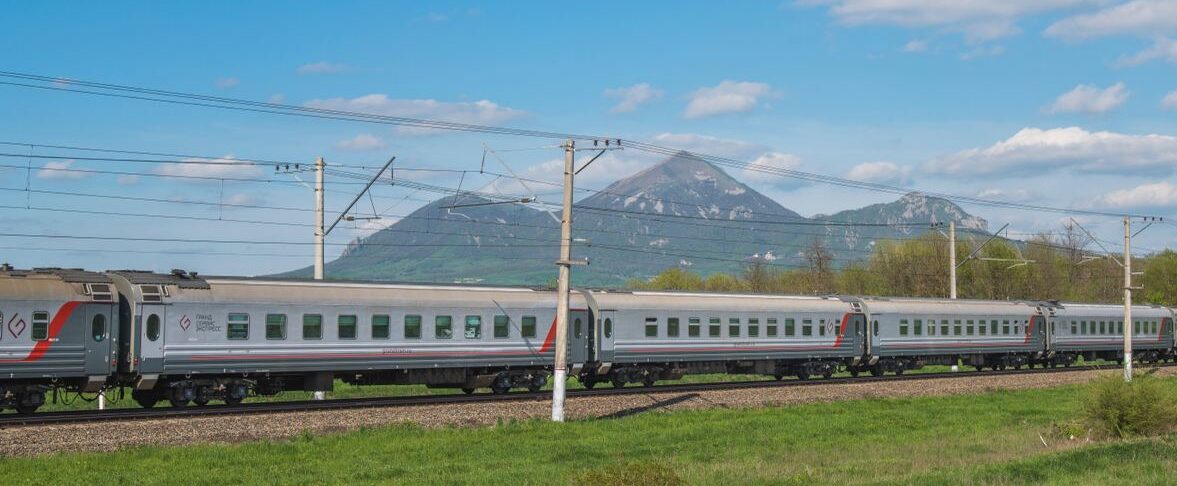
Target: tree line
[[1046, 267]]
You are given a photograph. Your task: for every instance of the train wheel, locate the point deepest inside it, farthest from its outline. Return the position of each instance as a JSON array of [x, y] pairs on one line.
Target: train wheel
[[649, 381], [468, 391], [589, 384], [827, 374], [979, 367], [179, 397], [200, 402], [145, 398], [802, 376], [779, 376], [618, 382], [854, 373], [876, 371], [899, 372], [232, 400], [499, 389], [26, 409]]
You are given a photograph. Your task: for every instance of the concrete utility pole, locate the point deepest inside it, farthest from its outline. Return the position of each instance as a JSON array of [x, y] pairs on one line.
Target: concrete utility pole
[[1127, 299], [952, 259], [560, 367], [320, 233]]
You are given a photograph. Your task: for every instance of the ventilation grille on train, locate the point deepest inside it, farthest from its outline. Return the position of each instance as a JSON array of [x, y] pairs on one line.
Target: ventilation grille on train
[[100, 292], [152, 293]]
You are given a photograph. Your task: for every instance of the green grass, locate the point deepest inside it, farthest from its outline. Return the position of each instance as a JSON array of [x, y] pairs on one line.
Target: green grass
[[988, 438]]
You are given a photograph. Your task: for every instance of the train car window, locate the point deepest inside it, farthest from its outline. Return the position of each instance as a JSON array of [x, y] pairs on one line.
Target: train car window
[[275, 326], [577, 328], [693, 327], [381, 325], [918, 327], [807, 327], [771, 329], [733, 327], [502, 326], [651, 327], [1102, 327], [153, 328], [98, 327], [790, 326], [312, 326], [876, 326], [931, 327], [413, 327], [1005, 327], [970, 329], [1135, 327], [473, 327], [238, 327], [754, 327], [956, 327], [903, 327], [672, 327], [443, 327], [1017, 327], [527, 329], [346, 327], [608, 327], [1119, 327], [40, 326], [714, 328], [982, 329], [1074, 327], [821, 328], [992, 327]]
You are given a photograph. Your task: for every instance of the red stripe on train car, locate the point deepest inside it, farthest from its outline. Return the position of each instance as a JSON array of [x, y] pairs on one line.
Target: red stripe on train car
[[59, 320], [550, 340]]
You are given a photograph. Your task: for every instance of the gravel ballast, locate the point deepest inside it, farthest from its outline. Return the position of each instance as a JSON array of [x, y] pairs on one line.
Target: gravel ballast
[[46, 439]]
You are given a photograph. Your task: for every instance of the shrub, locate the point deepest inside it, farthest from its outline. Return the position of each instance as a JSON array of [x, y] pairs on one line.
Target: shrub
[[1144, 407], [631, 474]]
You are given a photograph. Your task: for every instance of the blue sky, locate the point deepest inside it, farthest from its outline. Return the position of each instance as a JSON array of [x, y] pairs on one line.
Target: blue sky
[[1053, 102]]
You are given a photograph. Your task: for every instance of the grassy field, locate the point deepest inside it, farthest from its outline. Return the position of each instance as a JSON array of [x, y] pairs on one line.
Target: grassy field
[[993, 438], [343, 390]]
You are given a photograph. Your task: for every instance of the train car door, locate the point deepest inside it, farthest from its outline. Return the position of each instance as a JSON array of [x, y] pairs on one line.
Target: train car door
[[607, 320], [152, 334], [101, 340], [580, 326]]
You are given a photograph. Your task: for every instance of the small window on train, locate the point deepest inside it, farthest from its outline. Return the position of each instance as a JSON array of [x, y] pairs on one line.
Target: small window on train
[[151, 293], [903, 327], [443, 327], [993, 327], [1136, 327], [101, 292], [931, 327], [918, 327], [807, 327], [502, 327], [771, 330], [1119, 327], [40, 326], [956, 328], [238, 328], [1084, 326], [651, 327], [672, 327], [693, 327], [412, 327], [608, 327], [275, 326], [1103, 327], [982, 329], [527, 328], [790, 326], [876, 326], [577, 329], [98, 327], [753, 327], [714, 328], [346, 327], [733, 328], [153, 328], [1005, 327], [821, 328], [473, 327], [944, 327], [312, 326], [381, 325], [1074, 327], [970, 330]]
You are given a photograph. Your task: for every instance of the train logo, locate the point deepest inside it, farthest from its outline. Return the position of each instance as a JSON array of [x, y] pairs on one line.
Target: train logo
[[185, 322], [16, 326], [830, 327]]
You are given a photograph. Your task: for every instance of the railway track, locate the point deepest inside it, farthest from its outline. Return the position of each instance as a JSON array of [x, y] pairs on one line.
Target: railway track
[[123, 414]]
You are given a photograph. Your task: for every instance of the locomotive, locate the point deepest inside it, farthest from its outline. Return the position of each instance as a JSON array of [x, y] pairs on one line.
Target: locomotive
[[187, 339]]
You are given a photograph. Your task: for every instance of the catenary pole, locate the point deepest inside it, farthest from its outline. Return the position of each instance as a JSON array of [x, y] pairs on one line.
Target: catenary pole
[[320, 234], [952, 259], [560, 367], [1127, 298]]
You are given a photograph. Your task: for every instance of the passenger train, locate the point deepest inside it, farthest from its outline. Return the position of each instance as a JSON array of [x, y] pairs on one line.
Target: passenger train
[[189, 339]]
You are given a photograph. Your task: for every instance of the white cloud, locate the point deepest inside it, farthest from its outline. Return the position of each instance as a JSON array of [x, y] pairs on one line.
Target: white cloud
[[60, 170], [277, 98], [916, 46], [768, 167], [881, 172], [726, 97], [706, 144], [1038, 151], [127, 180], [226, 83], [1006, 195], [363, 142], [1162, 48], [321, 67], [226, 167], [1087, 98], [1169, 102], [1155, 195], [1137, 17], [481, 112], [977, 20], [629, 98], [241, 199]]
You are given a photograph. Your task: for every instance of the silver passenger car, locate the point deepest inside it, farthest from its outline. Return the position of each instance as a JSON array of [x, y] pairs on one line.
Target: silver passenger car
[[1096, 331]]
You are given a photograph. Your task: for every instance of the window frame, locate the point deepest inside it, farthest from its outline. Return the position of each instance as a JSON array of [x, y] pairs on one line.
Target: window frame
[[270, 325], [408, 323], [387, 325], [40, 326], [438, 327], [339, 326], [472, 322], [306, 322], [504, 322], [527, 323], [230, 323]]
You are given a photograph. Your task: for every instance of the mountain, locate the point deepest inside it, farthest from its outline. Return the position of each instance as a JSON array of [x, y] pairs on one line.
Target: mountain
[[682, 211]]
